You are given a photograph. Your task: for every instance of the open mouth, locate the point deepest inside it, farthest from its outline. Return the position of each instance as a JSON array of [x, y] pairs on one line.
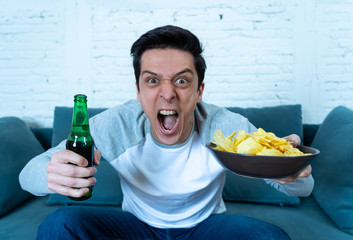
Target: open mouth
[[168, 120]]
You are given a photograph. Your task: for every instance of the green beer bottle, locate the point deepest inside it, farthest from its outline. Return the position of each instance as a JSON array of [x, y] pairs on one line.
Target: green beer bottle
[[80, 140]]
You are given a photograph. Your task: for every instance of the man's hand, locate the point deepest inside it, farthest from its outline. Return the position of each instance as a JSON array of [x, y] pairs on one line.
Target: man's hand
[[304, 173], [295, 141], [64, 178]]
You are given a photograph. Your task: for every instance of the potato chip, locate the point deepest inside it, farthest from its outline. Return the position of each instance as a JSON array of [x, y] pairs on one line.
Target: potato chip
[[240, 137], [223, 143], [249, 146], [269, 152], [256, 143]]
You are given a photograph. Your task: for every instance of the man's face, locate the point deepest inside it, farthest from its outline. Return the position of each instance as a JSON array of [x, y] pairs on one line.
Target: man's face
[[169, 93]]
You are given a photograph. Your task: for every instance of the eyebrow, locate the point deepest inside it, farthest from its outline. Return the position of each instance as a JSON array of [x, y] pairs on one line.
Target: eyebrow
[[186, 70]]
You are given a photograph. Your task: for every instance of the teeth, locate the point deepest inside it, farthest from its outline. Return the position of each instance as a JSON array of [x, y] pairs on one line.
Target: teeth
[[166, 112]]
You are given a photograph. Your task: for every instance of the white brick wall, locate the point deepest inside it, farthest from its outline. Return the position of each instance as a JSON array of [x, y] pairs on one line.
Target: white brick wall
[[259, 53]]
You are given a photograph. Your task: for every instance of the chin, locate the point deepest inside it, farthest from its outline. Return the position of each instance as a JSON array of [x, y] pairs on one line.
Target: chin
[[168, 141]]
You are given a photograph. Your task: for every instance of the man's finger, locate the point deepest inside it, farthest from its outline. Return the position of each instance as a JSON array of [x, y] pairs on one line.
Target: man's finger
[[70, 181], [306, 172], [68, 191], [67, 156], [97, 157], [71, 170], [294, 139]]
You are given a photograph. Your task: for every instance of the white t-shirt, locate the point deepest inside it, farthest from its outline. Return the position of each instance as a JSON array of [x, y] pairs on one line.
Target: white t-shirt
[[169, 187]]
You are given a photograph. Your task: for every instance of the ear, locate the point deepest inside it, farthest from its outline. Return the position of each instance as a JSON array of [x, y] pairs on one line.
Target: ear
[[137, 92], [200, 92]]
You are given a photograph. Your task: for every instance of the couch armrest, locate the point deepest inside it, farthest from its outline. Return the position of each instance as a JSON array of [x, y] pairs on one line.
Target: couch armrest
[[44, 136]]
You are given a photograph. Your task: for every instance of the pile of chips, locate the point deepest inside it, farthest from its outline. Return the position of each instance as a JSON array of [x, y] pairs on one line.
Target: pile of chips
[[255, 143]]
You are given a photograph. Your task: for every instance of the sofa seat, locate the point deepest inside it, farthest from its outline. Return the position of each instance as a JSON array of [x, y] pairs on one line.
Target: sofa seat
[[29, 216], [305, 221]]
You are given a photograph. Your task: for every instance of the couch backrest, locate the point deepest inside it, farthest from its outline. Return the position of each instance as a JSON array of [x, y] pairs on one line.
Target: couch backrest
[[282, 120]]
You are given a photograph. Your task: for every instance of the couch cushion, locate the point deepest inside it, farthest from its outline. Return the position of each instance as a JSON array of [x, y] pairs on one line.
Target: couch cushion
[[44, 136], [107, 190], [17, 146], [281, 120], [305, 221], [333, 168]]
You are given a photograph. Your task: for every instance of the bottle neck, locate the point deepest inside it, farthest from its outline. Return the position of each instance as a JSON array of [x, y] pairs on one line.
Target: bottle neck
[[80, 119], [80, 115]]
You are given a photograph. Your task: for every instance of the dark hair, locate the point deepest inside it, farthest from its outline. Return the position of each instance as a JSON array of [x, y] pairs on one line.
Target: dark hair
[[169, 37]]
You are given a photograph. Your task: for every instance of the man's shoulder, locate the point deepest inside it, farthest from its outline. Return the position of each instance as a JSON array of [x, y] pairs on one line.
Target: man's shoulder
[[129, 106], [207, 111], [210, 117]]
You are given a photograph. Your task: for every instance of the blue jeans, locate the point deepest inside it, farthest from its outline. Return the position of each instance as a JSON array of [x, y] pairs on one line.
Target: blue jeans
[[106, 223]]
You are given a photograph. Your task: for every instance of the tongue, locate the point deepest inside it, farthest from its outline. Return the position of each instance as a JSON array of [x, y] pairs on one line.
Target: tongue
[[169, 121]]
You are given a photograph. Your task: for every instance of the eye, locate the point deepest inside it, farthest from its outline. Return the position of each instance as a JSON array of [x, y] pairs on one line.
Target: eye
[[152, 80], [181, 81]]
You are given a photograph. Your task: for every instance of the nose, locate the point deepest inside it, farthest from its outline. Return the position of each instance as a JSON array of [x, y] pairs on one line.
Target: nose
[[167, 91]]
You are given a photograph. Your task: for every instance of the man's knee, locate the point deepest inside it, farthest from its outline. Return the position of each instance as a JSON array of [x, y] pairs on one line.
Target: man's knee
[[237, 227], [61, 223]]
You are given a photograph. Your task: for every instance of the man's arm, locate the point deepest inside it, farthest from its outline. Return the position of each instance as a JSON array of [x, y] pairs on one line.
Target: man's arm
[[51, 172], [33, 177], [300, 187], [300, 184]]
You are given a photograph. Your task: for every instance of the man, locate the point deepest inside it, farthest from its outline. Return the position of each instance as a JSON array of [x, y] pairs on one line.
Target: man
[[172, 184]]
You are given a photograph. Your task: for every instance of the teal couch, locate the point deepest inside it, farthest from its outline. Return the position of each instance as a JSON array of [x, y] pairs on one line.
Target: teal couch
[[326, 214]]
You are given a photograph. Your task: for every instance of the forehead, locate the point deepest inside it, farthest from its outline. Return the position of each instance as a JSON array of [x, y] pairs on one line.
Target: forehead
[[166, 59]]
